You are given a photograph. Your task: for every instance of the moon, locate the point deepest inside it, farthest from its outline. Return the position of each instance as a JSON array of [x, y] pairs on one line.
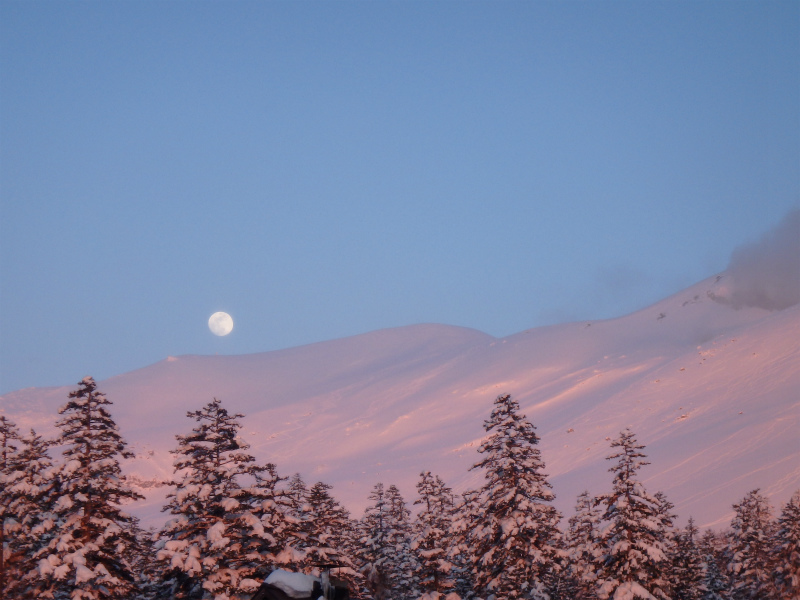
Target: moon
[[220, 323]]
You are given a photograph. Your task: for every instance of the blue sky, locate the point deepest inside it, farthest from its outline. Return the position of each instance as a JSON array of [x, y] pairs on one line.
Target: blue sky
[[323, 169]]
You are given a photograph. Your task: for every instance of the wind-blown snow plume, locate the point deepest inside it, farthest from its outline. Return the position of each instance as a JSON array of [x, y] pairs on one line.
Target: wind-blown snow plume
[[766, 274]]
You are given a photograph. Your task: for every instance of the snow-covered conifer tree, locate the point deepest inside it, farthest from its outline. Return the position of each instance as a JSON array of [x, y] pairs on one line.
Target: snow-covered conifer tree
[[9, 437], [150, 583], [206, 547], [327, 540], [297, 495], [432, 533], [514, 538], [8, 448], [270, 531], [787, 551], [687, 575], [665, 518], [585, 545], [635, 556], [716, 579], [374, 546], [90, 558], [465, 518], [665, 529], [29, 496], [385, 556], [751, 544], [401, 562], [293, 500]]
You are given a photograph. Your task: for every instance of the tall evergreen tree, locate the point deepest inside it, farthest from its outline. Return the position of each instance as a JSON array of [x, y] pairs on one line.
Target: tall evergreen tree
[[298, 522], [432, 535], [150, 584], [267, 524], [329, 539], [90, 558], [665, 518], [374, 546], [9, 434], [687, 574], [297, 495], [29, 495], [585, 545], [328, 524], [514, 539], [635, 545], [716, 580], [787, 551], [214, 544], [386, 560], [751, 544], [402, 562], [665, 531], [465, 519]]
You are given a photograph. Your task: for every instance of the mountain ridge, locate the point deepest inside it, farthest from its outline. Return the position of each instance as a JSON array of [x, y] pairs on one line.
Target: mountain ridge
[[685, 373]]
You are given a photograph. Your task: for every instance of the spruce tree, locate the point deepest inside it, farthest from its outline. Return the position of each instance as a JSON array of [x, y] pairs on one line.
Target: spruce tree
[[687, 574], [716, 580], [30, 496], [214, 545], [635, 557], [90, 558], [432, 535], [374, 545], [514, 539], [787, 551], [751, 544], [401, 563], [297, 495], [266, 524], [584, 541], [329, 540], [386, 560], [665, 531], [294, 499], [148, 574], [9, 434], [465, 519]]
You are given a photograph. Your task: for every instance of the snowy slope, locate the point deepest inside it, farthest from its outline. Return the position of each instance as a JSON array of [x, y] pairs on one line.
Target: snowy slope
[[713, 392]]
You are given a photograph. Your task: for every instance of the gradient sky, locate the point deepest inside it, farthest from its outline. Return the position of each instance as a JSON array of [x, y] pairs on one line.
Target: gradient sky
[[323, 169]]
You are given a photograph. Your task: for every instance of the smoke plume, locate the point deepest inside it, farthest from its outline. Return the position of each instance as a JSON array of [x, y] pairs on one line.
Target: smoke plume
[[766, 274]]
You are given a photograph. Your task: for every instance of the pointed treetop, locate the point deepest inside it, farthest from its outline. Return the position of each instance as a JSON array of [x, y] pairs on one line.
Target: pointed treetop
[[504, 414], [8, 433], [629, 455]]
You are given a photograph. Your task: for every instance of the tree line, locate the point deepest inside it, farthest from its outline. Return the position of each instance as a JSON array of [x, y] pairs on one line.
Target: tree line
[[232, 521]]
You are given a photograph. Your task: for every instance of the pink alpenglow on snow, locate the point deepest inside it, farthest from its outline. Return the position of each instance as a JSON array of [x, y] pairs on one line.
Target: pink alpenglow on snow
[[710, 390]]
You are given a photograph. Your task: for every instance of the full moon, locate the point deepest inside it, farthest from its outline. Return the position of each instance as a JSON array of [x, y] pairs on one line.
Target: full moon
[[220, 323]]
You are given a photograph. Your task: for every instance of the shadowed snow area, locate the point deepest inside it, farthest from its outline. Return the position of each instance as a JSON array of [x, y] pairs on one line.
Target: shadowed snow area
[[711, 391]]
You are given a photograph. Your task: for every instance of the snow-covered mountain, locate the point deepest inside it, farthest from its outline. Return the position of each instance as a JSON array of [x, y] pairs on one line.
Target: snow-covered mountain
[[712, 391]]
